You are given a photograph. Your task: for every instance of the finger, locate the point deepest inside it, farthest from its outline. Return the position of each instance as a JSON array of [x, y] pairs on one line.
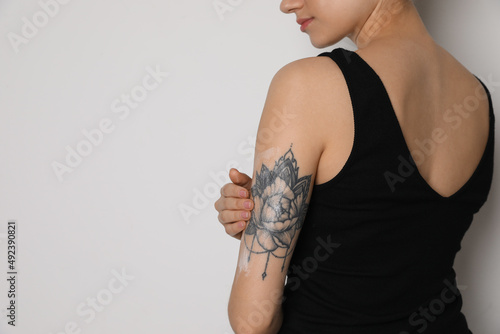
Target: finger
[[231, 216], [233, 190], [230, 203], [235, 229], [240, 179]]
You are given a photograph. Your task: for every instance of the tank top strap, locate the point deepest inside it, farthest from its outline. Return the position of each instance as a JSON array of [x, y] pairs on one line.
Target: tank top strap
[[377, 141]]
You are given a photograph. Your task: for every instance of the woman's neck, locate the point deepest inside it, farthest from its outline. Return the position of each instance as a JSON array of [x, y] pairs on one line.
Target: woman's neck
[[391, 19]]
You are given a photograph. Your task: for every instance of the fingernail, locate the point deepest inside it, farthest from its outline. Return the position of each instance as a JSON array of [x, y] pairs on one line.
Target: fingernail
[[243, 193], [248, 204], [241, 224], [244, 214]]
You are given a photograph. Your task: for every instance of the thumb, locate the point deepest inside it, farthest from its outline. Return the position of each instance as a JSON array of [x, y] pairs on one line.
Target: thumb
[[240, 179]]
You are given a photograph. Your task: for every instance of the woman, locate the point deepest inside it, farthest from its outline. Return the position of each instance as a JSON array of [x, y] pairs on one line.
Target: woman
[[378, 159]]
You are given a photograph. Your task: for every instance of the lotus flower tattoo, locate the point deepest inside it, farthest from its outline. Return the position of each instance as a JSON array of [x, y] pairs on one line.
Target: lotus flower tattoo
[[279, 211]]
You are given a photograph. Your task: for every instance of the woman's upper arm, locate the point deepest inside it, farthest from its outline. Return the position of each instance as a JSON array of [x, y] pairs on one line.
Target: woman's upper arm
[[286, 158]]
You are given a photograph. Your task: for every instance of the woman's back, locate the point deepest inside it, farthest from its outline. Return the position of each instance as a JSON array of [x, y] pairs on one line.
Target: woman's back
[[429, 91]]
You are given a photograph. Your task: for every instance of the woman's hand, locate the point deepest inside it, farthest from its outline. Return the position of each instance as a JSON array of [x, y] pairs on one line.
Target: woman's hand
[[232, 205]]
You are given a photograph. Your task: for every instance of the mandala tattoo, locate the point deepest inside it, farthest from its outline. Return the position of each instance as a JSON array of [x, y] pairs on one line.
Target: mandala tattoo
[[280, 209]]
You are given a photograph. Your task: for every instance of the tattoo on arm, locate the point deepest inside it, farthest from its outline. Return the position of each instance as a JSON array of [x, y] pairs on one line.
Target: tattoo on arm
[[280, 208]]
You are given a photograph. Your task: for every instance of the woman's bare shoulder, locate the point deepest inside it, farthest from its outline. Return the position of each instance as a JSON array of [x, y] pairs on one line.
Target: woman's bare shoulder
[[318, 80], [320, 84], [313, 71]]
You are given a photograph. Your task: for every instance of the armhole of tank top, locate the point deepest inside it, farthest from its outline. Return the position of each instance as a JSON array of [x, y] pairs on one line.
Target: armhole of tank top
[[325, 185], [490, 104], [491, 136]]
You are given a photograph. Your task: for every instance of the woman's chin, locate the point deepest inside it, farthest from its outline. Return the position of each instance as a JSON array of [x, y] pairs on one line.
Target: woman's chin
[[320, 43]]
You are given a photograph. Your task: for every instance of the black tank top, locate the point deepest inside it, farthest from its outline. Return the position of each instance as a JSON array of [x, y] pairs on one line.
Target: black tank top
[[376, 251]]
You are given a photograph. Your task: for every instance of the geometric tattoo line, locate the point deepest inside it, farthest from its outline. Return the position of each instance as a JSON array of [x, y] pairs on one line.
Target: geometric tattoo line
[[279, 211]]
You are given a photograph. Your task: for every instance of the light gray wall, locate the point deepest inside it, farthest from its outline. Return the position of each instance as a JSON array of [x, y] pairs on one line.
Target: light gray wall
[[128, 241]]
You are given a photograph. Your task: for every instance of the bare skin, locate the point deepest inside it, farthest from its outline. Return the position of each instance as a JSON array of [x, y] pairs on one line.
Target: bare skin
[[233, 214], [424, 83]]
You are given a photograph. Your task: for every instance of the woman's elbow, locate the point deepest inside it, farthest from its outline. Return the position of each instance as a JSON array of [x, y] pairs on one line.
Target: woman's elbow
[[261, 319]]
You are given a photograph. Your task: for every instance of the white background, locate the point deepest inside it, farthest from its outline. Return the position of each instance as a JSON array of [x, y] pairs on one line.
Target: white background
[[119, 210]]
